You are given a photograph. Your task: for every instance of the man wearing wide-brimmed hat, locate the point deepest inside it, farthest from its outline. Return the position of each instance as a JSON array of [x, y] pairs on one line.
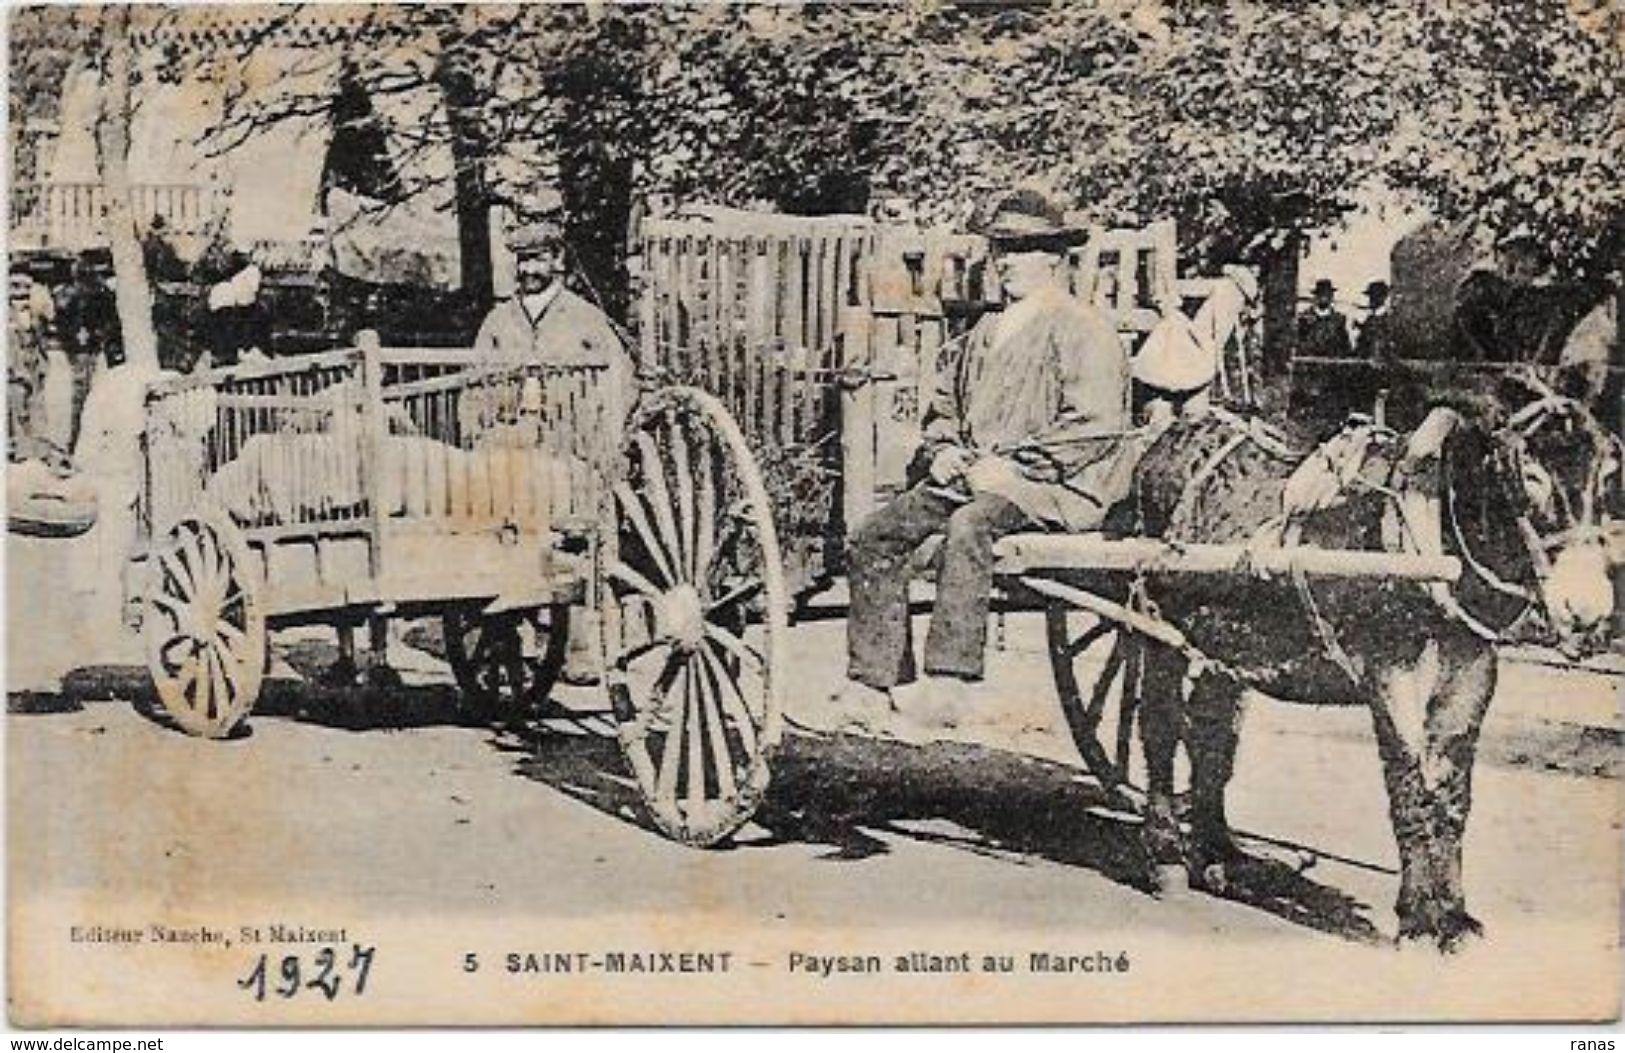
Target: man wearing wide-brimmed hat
[[1023, 433], [1323, 332]]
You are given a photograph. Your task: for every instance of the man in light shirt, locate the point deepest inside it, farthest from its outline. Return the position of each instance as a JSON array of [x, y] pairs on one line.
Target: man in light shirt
[[544, 321], [1025, 432]]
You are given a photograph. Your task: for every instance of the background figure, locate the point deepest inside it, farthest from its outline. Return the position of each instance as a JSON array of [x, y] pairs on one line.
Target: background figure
[[90, 341], [238, 320], [1376, 340], [163, 263], [1175, 367], [1511, 310], [545, 322], [1323, 332]]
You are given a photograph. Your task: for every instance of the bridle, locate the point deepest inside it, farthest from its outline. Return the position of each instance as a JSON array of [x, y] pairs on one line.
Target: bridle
[[1509, 444]]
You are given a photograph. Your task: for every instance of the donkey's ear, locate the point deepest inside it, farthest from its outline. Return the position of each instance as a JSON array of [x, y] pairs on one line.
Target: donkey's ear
[[1582, 380], [1428, 440]]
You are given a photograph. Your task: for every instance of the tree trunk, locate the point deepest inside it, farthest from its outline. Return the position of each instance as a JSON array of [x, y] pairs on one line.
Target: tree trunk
[[1280, 295], [134, 296], [462, 98]]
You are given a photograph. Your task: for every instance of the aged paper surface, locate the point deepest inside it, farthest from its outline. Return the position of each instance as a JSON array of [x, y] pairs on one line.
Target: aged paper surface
[[440, 531]]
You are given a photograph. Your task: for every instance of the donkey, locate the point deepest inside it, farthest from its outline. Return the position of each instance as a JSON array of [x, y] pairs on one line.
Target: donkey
[[1518, 486]]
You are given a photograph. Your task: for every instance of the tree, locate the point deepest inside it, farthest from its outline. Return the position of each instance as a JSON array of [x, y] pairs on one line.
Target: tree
[[133, 293], [1245, 120], [1248, 122]]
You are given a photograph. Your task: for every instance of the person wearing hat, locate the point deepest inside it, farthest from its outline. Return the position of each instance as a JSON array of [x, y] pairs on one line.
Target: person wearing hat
[[1182, 357], [545, 322], [1375, 343], [163, 263], [1175, 366], [1509, 310], [1024, 432], [1323, 332]]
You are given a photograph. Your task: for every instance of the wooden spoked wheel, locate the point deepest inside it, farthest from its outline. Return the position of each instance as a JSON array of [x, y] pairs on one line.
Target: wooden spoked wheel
[[204, 626], [505, 664], [1084, 649], [693, 617]]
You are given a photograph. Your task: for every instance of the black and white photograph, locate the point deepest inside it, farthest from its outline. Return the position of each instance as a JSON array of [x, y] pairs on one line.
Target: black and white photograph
[[921, 513]]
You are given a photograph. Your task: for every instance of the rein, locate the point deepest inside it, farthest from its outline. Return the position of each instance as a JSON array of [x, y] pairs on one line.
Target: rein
[[1481, 570], [1509, 441]]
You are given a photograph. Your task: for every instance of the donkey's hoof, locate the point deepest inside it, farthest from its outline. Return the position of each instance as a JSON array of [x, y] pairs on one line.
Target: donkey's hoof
[[1170, 879], [1211, 878], [1456, 930]]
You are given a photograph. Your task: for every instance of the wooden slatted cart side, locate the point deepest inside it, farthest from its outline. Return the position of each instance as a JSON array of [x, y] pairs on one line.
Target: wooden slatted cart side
[[766, 312], [374, 475]]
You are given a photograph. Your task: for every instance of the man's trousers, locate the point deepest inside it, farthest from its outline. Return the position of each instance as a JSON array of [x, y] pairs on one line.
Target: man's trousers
[[879, 648]]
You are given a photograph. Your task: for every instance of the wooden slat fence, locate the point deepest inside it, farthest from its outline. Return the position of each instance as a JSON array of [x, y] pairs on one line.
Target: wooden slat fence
[[73, 215], [822, 336], [765, 312]]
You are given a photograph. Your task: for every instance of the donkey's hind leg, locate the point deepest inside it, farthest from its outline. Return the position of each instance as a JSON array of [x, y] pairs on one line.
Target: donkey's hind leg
[[1212, 729], [1161, 722]]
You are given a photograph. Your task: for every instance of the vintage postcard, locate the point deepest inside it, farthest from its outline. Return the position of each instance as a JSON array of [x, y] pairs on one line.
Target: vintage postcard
[[837, 514]]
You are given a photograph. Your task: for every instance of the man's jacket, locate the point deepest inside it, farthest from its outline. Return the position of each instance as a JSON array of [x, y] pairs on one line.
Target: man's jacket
[[568, 330], [1323, 335], [1048, 388]]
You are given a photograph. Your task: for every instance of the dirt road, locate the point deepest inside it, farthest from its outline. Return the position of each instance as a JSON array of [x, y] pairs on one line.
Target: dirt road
[[380, 806]]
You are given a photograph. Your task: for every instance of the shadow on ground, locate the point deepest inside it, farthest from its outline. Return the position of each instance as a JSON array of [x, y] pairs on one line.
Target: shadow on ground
[[347, 707], [850, 793], [854, 794]]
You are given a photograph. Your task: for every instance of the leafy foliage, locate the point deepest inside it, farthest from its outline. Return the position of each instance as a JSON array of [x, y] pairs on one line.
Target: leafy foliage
[[1244, 120]]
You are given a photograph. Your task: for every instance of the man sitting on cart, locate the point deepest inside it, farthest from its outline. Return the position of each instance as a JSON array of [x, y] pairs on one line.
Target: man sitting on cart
[[1025, 432]]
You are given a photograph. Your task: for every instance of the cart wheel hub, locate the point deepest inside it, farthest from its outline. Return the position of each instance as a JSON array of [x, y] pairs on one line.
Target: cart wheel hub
[[682, 618]]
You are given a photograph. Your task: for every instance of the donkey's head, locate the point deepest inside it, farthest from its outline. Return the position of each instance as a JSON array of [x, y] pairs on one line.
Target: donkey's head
[[1559, 471], [1531, 484]]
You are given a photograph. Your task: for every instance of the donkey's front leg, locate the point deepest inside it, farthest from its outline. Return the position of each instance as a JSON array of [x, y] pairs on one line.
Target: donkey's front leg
[[1212, 729], [1417, 906], [1427, 713], [1455, 717]]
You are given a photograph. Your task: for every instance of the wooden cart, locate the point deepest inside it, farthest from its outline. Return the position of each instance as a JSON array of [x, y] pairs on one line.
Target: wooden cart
[[340, 485], [371, 482], [816, 339]]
